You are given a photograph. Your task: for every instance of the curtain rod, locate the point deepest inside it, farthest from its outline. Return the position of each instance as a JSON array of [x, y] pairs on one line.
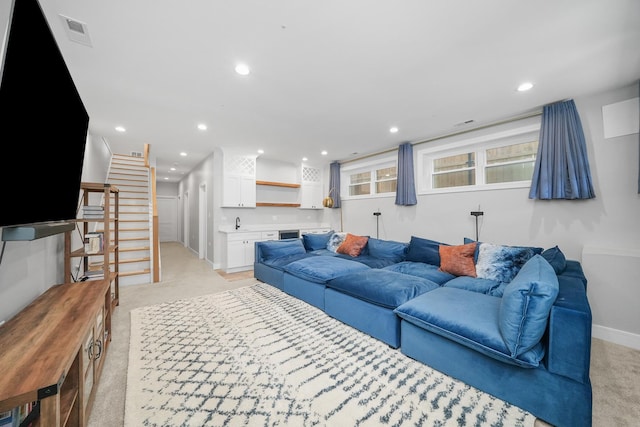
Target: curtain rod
[[460, 132]]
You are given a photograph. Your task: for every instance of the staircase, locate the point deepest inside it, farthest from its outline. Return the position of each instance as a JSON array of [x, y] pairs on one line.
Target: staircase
[[130, 175]]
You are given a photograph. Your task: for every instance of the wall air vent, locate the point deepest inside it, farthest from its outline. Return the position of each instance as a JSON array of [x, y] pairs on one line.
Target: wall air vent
[[76, 31], [136, 154]]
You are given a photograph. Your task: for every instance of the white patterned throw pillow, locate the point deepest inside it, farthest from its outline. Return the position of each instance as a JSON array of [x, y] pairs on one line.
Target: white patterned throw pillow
[[335, 240], [501, 263]]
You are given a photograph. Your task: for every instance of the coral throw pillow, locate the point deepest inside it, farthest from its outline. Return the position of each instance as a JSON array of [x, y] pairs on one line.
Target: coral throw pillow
[[458, 260], [352, 245]]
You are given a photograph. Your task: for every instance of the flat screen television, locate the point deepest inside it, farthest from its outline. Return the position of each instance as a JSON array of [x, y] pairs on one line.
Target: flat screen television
[[43, 121]]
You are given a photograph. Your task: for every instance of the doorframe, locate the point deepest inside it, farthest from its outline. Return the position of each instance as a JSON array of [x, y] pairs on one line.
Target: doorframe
[[202, 221], [185, 209]]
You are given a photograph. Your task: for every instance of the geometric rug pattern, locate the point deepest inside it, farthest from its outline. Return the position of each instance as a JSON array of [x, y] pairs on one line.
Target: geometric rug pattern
[[256, 356]]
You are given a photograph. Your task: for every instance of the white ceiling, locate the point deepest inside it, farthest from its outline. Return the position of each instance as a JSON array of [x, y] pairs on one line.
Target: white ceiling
[[332, 75]]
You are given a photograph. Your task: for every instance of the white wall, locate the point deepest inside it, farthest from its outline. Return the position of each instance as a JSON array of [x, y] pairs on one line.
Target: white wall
[[169, 189], [30, 268], [611, 220]]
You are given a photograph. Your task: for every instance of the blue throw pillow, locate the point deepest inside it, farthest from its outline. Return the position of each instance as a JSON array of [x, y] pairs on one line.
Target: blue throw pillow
[[387, 249], [501, 263], [526, 304], [556, 258], [424, 250], [280, 248], [314, 242]]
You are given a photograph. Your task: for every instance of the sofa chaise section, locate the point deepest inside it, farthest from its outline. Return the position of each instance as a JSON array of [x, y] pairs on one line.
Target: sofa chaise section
[[530, 347]]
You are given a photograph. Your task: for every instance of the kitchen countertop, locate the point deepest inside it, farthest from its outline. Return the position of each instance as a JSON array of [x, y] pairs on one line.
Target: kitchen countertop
[[269, 227]]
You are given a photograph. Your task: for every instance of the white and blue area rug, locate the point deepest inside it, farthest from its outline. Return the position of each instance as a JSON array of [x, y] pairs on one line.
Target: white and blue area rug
[[255, 356]]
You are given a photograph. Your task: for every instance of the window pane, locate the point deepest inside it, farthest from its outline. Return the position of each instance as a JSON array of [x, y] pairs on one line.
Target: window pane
[[359, 190], [509, 173], [460, 161], [386, 173], [510, 153], [359, 178], [454, 179], [386, 186]]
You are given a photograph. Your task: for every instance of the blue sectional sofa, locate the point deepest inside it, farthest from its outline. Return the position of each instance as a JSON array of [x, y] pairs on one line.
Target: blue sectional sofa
[[513, 321]]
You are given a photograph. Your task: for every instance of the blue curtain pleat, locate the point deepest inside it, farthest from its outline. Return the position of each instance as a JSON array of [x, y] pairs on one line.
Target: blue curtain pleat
[[406, 188], [334, 183], [562, 165]]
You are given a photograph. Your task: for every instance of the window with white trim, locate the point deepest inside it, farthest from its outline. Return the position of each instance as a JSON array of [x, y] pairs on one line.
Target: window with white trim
[[370, 179], [502, 160]]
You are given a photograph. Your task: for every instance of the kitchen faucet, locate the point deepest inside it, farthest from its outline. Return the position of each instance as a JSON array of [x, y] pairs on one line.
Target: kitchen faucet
[[237, 222]]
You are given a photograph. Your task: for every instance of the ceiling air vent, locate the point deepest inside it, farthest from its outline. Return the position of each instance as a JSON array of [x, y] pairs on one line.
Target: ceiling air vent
[[76, 31], [136, 154], [465, 123]]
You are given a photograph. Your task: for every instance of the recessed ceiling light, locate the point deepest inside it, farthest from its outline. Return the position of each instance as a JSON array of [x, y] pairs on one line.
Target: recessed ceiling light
[[166, 178], [393, 130], [202, 126], [304, 159], [261, 151], [172, 169], [324, 152], [183, 154], [243, 69], [525, 87], [120, 129]]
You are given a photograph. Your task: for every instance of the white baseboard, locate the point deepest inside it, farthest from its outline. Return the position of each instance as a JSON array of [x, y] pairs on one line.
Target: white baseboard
[[616, 336]]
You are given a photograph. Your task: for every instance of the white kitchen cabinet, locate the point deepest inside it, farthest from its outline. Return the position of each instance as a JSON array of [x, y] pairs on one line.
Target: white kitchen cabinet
[[239, 181], [311, 188], [240, 249], [239, 192], [269, 235]]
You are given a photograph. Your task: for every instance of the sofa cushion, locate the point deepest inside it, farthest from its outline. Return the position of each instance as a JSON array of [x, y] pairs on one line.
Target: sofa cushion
[[525, 305], [369, 260], [501, 263], [335, 240], [279, 262], [556, 258], [280, 248], [380, 287], [387, 249], [473, 284], [320, 269], [468, 318], [458, 260], [314, 242], [420, 269], [352, 245], [424, 250]]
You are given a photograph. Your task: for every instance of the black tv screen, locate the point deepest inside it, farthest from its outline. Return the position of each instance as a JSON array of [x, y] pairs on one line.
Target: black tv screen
[[43, 121]]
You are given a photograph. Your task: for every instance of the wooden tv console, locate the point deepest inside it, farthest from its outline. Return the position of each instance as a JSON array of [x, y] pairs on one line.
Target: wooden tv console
[[53, 351]]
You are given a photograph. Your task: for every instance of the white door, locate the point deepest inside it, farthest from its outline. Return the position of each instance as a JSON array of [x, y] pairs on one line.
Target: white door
[[168, 218]]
